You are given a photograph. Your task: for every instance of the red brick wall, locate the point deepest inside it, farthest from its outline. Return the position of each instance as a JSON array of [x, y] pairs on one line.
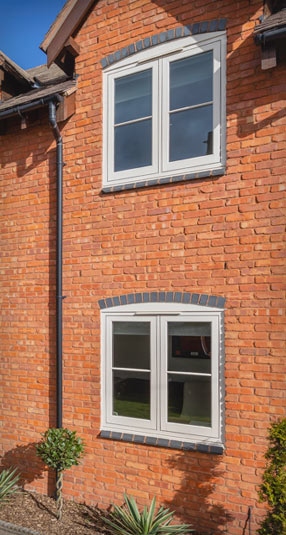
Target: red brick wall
[[220, 236]]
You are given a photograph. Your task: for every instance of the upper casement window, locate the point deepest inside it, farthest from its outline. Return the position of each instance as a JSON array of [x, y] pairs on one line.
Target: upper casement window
[[164, 111]]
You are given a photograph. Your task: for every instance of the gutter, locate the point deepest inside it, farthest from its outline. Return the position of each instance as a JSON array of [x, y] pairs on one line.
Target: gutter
[[52, 101], [16, 110], [270, 35]]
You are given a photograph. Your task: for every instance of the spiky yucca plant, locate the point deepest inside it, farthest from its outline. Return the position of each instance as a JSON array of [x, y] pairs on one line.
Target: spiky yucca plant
[[8, 483], [127, 520]]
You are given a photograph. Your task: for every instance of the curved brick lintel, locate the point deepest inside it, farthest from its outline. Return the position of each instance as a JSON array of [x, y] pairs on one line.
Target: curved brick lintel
[[169, 35], [162, 442], [163, 297], [165, 180]]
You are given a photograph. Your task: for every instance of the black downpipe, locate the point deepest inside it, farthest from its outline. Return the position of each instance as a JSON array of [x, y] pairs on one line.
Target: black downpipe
[[59, 261]]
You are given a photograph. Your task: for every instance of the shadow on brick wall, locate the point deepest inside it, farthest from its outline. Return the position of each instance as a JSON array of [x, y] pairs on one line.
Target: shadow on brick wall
[[196, 499], [29, 466], [251, 98]]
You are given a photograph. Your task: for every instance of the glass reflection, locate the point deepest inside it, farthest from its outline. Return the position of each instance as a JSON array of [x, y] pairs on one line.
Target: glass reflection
[[131, 345], [191, 81], [131, 394], [133, 145], [191, 133], [189, 400], [133, 96]]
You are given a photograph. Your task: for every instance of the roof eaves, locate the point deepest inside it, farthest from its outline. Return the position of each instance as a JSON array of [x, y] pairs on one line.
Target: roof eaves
[[276, 20], [36, 98], [56, 25], [10, 66], [64, 27]]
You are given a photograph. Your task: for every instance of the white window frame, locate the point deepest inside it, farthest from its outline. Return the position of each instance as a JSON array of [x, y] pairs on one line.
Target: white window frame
[[158, 314], [159, 58]]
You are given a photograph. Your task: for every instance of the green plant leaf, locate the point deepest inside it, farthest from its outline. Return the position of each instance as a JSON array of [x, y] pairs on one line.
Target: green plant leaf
[[273, 487], [8, 483], [127, 520], [60, 448]]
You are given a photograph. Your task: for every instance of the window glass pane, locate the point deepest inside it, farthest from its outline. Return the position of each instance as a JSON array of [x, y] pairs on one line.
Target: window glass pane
[[191, 81], [131, 394], [133, 145], [189, 400], [133, 96], [191, 133], [189, 347], [131, 345]]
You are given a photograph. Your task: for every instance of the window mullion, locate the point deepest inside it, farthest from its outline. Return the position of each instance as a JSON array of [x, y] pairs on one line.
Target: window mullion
[[160, 97], [164, 112], [158, 371], [163, 373], [153, 373]]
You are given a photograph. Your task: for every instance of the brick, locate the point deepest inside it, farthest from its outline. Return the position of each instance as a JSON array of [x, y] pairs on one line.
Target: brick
[[219, 236]]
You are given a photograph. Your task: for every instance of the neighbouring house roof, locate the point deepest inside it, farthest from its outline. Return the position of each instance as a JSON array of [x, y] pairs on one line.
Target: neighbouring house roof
[[15, 70], [65, 88], [64, 27], [47, 75], [277, 20], [33, 87]]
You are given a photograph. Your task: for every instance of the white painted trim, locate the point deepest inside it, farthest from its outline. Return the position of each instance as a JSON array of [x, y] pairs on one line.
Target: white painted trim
[[147, 170], [183, 166], [157, 308], [110, 418], [157, 57], [212, 431], [154, 427]]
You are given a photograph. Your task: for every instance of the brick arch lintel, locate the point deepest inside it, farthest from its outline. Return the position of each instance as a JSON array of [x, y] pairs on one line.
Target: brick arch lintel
[[186, 298], [197, 28]]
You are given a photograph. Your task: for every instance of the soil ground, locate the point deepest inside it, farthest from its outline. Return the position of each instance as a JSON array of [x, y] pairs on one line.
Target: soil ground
[[38, 513]]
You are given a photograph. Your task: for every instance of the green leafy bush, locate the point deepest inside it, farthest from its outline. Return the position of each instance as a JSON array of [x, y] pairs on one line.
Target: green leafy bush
[[273, 488], [127, 520], [60, 449], [8, 483]]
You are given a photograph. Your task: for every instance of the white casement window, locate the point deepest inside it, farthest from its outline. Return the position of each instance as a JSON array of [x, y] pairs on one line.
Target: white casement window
[[161, 368], [164, 111]]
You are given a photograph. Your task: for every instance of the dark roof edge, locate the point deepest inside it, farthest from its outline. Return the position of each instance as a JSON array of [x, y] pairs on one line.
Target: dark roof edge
[[10, 65], [57, 23], [34, 104], [64, 27], [270, 35]]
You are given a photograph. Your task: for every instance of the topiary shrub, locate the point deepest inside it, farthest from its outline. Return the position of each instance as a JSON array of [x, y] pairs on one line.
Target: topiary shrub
[[273, 488], [60, 449]]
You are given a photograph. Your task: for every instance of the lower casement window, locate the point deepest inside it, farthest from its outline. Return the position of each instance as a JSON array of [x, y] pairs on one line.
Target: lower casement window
[[162, 372]]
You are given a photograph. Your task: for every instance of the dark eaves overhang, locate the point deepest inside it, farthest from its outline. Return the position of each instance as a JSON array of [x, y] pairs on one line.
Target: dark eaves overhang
[[39, 98], [59, 44], [15, 70], [268, 35]]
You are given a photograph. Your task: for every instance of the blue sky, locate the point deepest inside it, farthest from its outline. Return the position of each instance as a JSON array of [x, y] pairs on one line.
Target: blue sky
[[23, 24]]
